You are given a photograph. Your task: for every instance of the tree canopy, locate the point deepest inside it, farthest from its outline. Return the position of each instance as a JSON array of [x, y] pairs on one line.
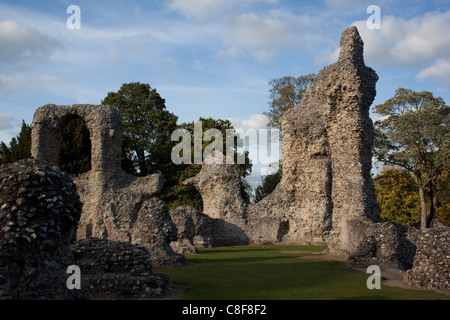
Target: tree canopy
[[19, 148], [176, 194], [284, 94], [268, 184], [147, 128], [414, 134], [75, 151]]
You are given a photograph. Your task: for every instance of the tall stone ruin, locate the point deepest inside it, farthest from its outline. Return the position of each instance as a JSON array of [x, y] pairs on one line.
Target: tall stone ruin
[[325, 197], [116, 205], [327, 158], [326, 189]]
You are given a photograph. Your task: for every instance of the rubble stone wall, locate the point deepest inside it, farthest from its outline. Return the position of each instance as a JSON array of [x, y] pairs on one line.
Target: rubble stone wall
[[116, 205], [431, 268], [326, 183], [39, 213]]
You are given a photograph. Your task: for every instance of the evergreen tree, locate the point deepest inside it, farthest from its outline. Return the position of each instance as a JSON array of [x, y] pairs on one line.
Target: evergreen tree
[[19, 147], [75, 152]]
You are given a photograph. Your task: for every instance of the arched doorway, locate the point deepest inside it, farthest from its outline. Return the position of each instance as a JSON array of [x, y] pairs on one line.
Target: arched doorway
[[75, 151]]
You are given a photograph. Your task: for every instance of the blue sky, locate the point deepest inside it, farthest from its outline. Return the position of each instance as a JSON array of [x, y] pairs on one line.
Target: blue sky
[[207, 58]]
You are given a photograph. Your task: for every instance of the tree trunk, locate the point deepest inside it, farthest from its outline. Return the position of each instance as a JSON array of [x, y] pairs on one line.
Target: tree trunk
[[423, 205], [432, 196]]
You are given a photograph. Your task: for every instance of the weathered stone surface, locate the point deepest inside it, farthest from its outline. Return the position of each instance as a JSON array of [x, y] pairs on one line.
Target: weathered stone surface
[[113, 200], [182, 217], [117, 270], [385, 244], [105, 128], [39, 213], [219, 185], [327, 157], [219, 176], [111, 209], [431, 268], [154, 230]]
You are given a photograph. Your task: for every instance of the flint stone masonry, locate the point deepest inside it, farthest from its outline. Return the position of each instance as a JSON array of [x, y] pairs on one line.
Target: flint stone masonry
[[198, 230], [325, 197], [105, 129], [113, 201], [39, 213], [431, 268], [219, 184], [386, 244], [117, 270]]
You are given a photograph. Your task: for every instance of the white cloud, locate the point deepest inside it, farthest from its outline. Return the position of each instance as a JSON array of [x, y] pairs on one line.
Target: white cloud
[[342, 3], [209, 9], [7, 121], [263, 36], [421, 43], [9, 127], [257, 121], [200, 9], [11, 83], [200, 66], [411, 43], [440, 71], [23, 46]]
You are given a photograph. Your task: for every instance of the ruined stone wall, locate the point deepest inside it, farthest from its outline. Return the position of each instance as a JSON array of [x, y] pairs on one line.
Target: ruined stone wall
[[39, 212], [116, 205], [326, 181], [118, 270], [105, 129], [431, 268]]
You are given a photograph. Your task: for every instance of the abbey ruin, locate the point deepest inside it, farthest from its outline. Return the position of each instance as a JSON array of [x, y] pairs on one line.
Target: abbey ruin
[[326, 196]]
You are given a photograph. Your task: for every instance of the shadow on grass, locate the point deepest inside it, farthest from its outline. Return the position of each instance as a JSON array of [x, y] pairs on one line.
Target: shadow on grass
[[261, 273]]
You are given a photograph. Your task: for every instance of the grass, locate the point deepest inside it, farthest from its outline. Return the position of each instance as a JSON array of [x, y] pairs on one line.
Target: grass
[[269, 273]]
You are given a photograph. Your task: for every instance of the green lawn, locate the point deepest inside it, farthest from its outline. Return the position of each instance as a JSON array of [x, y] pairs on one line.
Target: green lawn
[[266, 273]]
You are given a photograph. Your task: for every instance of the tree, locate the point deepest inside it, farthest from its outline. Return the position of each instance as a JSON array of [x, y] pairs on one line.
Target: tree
[[285, 93], [75, 151], [414, 134], [176, 194], [19, 147], [268, 185], [148, 127], [397, 196]]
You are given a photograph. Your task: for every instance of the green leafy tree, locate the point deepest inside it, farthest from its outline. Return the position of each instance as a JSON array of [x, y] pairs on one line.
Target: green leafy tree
[[414, 134], [75, 151], [148, 127], [268, 185], [174, 193], [285, 93], [397, 196], [19, 147], [443, 207]]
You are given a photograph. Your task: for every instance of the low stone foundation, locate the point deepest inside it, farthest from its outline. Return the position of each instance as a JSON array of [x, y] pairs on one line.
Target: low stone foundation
[[39, 213], [431, 268], [118, 270]]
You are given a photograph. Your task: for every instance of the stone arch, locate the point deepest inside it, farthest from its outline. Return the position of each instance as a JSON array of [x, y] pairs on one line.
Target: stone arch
[[71, 161], [105, 128]]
